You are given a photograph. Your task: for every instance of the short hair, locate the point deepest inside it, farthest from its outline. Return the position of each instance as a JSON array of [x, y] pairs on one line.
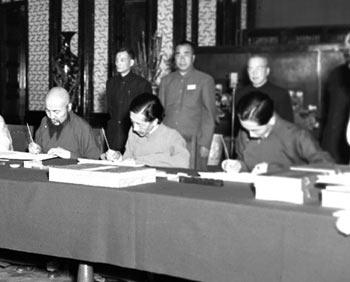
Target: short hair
[[130, 52], [149, 105], [260, 56], [255, 106], [58, 92], [188, 43]]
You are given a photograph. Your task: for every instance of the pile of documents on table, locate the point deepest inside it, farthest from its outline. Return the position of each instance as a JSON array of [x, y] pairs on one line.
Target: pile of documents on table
[[307, 184], [337, 190], [290, 186], [102, 174]]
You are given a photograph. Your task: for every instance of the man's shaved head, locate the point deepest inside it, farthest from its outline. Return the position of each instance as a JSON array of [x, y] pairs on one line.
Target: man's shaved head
[[58, 96], [57, 105]]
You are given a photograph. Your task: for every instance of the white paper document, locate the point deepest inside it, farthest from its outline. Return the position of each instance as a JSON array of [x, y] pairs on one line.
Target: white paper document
[[127, 162], [335, 179], [102, 175], [336, 196], [16, 155]]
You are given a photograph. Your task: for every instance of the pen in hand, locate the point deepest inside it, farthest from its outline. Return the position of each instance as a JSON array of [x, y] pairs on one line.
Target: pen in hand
[[105, 138], [30, 133]]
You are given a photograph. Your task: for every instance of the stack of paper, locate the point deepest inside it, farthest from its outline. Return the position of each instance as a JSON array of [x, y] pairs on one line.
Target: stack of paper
[[102, 175], [336, 196], [287, 186], [16, 155], [335, 178], [323, 168], [126, 162]]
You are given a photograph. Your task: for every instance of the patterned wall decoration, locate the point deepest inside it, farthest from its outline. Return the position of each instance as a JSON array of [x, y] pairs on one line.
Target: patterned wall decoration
[[189, 20], [244, 14], [70, 13], [207, 23], [100, 55], [38, 50], [165, 25]]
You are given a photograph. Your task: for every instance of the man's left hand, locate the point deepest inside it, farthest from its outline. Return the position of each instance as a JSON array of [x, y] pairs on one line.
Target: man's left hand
[[60, 152], [203, 152]]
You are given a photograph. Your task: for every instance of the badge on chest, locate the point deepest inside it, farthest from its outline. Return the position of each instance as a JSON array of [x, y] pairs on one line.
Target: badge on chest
[[191, 86]]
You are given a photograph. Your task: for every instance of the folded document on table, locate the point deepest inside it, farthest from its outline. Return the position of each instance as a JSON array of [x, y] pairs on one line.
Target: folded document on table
[[16, 155], [336, 196], [102, 175], [335, 179], [126, 162]]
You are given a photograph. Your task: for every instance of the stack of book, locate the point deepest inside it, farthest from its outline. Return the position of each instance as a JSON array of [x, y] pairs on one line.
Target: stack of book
[[289, 186], [336, 196], [102, 175], [337, 190]]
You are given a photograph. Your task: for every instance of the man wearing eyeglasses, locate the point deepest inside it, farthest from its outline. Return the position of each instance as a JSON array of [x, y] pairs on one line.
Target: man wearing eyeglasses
[[63, 133]]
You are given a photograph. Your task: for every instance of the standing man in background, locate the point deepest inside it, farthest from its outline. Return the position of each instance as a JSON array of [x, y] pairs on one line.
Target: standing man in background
[[337, 109], [120, 91], [188, 96], [258, 72]]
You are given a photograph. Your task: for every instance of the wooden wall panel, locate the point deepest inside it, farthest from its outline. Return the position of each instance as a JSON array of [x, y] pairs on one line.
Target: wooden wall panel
[[287, 13]]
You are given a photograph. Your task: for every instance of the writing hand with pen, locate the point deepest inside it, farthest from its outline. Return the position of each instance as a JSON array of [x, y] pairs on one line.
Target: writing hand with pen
[[235, 166], [35, 148], [111, 155]]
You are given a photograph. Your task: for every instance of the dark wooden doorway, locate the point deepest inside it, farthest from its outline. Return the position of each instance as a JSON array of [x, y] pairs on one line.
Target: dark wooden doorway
[[13, 61]]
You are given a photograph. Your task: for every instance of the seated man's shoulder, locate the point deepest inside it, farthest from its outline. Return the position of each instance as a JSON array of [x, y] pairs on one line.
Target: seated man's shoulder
[[291, 129], [44, 121], [79, 121]]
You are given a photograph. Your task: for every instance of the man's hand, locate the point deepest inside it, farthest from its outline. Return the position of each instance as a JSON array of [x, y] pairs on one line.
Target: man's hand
[[34, 148], [260, 168], [60, 152], [203, 152], [113, 156], [231, 165]]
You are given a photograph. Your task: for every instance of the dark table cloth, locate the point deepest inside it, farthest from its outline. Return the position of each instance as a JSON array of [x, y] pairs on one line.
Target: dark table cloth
[[192, 231]]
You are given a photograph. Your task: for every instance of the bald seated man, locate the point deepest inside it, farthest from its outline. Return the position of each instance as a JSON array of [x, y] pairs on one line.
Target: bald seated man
[[63, 133]]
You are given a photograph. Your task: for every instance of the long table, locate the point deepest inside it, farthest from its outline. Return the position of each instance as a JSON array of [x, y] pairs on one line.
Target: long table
[[197, 232]]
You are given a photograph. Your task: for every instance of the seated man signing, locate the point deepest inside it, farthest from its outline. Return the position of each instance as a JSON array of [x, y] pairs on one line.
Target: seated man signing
[[266, 142], [149, 141], [63, 133]]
